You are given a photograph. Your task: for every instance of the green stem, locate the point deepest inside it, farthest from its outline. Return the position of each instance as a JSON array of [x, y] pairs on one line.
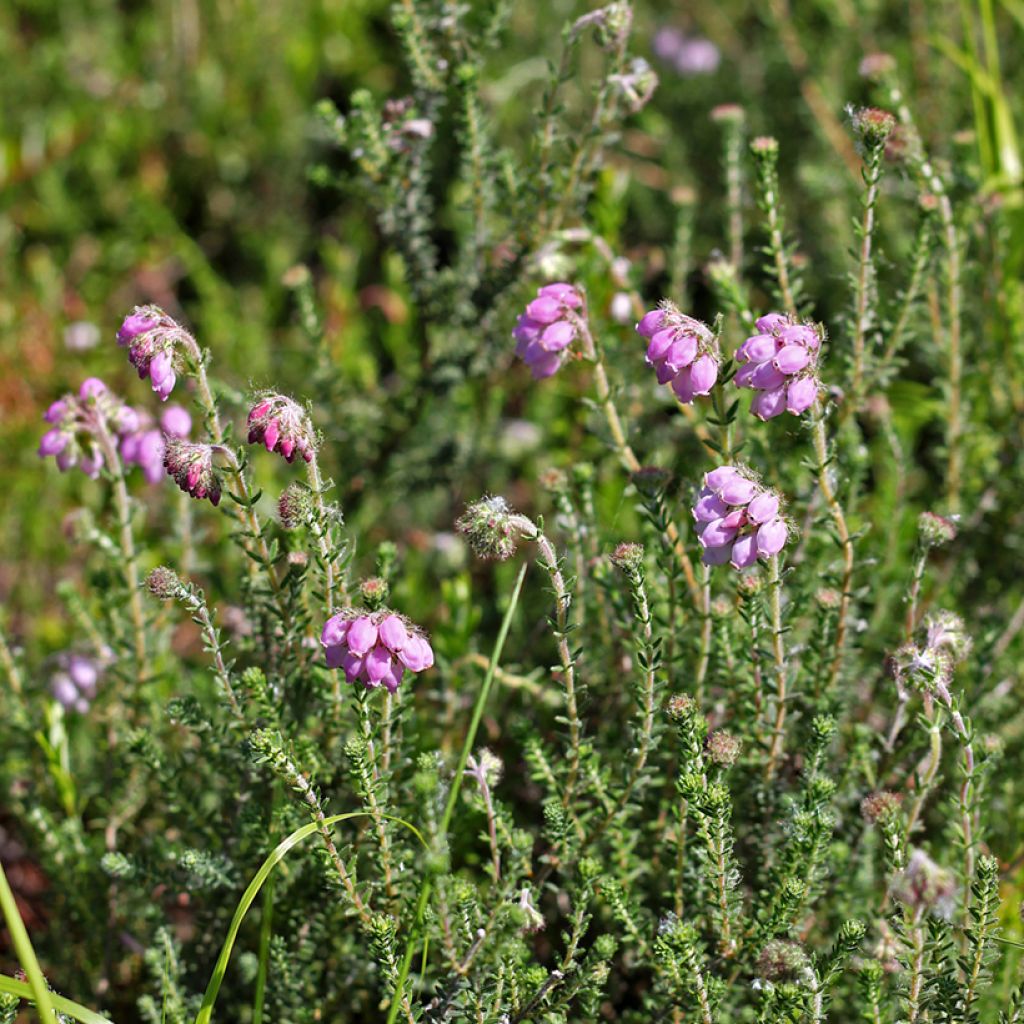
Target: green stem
[[24, 951], [453, 794], [779, 657]]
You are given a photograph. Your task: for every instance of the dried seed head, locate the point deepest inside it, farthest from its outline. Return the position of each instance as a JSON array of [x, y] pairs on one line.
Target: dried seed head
[[923, 884]]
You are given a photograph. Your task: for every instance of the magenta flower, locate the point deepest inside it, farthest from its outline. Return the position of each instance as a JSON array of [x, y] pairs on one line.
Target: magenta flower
[[142, 444], [375, 648], [78, 422], [75, 683], [781, 364], [153, 340], [548, 327], [191, 466], [683, 351], [738, 519], [282, 426]]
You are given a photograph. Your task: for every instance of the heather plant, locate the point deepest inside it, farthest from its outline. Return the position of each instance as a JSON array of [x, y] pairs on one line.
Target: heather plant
[[515, 681]]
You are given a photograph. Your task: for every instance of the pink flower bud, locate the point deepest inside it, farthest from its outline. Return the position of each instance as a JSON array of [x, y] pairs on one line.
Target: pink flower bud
[[545, 309], [417, 655], [91, 388], [709, 507], [362, 635], [557, 336], [767, 377], [682, 385], [801, 394], [174, 420], [744, 551], [335, 631], [737, 491], [792, 359], [53, 442], [717, 478], [769, 404], [716, 533], [682, 352], [650, 322], [771, 537], [660, 343], [378, 663], [393, 633], [771, 322], [705, 373], [763, 508]]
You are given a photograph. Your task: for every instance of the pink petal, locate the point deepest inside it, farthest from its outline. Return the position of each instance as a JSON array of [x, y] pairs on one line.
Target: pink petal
[[650, 322], [393, 634], [763, 508], [744, 551], [557, 336], [771, 538], [362, 635], [682, 385], [705, 373], [769, 404], [792, 359]]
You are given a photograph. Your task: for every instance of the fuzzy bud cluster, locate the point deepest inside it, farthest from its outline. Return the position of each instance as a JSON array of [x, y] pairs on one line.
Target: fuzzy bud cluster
[[281, 425], [155, 341], [881, 806], [191, 466], [374, 648], [489, 527], [547, 328], [780, 363], [682, 350], [738, 519], [935, 530], [164, 583]]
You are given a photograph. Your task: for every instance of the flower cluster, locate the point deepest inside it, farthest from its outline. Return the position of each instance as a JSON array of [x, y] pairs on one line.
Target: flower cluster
[[282, 426], [780, 363], [374, 647], [191, 466], [142, 444], [548, 327], [76, 423], [683, 351], [738, 519], [153, 340], [74, 683]]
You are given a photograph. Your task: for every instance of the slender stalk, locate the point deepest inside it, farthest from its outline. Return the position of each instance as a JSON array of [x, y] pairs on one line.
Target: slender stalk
[[548, 561], [112, 458], [372, 804], [706, 627], [842, 531], [779, 658], [927, 779], [324, 534], [865, 291], [453, 795], [623, 448]]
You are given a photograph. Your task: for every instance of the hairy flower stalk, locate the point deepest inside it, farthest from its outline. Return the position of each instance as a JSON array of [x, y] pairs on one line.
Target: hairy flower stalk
[[164, 584], [766, 163], [823, 461], [779, 658], [873, 128], [122, 502]]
